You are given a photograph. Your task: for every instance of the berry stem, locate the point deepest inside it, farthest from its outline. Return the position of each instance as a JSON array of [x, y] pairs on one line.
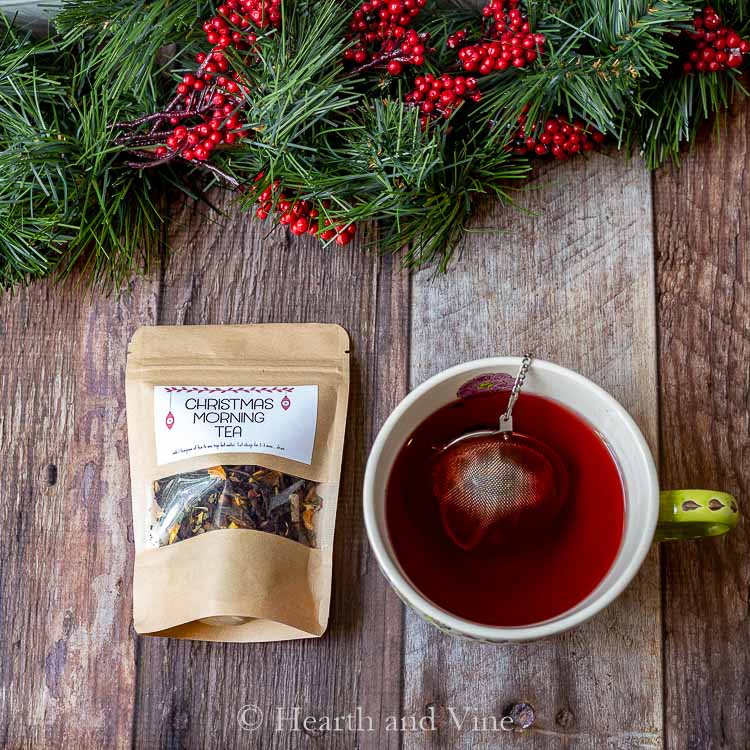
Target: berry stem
[[151, 159], [214, 170], [176, 99]]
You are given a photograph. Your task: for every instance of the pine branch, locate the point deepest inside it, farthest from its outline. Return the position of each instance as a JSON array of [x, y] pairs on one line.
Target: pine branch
[[675, 112], [65, 198], [127, 45]]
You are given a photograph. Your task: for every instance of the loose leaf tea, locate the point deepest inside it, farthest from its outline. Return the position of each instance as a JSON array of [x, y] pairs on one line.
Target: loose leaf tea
[[245, 496]]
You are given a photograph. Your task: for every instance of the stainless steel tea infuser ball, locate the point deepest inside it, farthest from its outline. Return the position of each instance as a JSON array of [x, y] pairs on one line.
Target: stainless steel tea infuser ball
[[496, 485]]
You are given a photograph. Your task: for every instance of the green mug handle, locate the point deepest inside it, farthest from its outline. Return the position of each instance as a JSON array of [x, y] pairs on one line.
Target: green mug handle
[[688, 514]]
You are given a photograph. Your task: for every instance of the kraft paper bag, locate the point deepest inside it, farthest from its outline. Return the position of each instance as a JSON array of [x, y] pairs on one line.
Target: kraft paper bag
[[236, 435]]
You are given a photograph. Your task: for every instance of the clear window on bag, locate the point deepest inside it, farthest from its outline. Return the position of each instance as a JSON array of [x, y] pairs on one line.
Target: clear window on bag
[[232, 497]]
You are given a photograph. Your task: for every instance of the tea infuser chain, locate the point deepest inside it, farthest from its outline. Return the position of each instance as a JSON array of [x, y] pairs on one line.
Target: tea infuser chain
[[506, 420]]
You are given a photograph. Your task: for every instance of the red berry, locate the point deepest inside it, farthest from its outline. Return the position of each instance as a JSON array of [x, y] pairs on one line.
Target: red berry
[[300, 226], [715, 46]]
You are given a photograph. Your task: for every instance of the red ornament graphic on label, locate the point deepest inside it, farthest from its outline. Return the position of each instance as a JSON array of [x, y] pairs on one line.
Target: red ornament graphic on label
[[169, 421], [286, 403]]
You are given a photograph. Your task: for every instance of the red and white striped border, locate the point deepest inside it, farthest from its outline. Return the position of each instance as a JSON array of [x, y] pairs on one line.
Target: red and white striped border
[[229, 389]]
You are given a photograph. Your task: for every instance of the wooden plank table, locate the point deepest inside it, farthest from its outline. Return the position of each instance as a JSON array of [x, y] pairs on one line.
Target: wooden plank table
[[642, 283]]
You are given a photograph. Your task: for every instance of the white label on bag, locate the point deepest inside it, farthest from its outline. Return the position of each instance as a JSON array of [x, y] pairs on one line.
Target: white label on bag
[[197, 420]]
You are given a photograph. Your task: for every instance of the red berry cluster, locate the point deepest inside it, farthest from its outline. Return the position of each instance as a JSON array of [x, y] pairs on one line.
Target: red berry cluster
[[300, 216], [379, 29], [558, 137], [210, 97], [239, 14], [454, 41], [218, 122], [716, 46], [229, 26], [510, 41], [440, 96], [206, 112]]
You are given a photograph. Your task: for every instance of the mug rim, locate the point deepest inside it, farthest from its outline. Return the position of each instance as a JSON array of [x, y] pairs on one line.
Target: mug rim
[[441, 617]]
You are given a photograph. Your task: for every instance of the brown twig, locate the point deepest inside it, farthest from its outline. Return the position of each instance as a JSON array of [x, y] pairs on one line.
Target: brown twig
[[215, 170], [163, 115], [152, 159], [177, 97], [143, 139]]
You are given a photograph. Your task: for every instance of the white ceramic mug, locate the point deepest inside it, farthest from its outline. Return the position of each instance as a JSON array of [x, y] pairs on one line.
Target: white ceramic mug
[[680, 514]]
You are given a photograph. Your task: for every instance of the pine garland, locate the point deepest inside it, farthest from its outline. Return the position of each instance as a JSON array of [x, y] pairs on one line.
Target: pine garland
[[322, 123]]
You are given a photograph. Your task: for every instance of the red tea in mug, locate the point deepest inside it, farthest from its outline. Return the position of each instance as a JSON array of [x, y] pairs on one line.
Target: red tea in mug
[[538, 576]]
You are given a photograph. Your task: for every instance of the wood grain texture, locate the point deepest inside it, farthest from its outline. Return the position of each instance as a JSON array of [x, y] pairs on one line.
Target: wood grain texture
[[573, 284], [67, 667], [703, 276], [189, 694]]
